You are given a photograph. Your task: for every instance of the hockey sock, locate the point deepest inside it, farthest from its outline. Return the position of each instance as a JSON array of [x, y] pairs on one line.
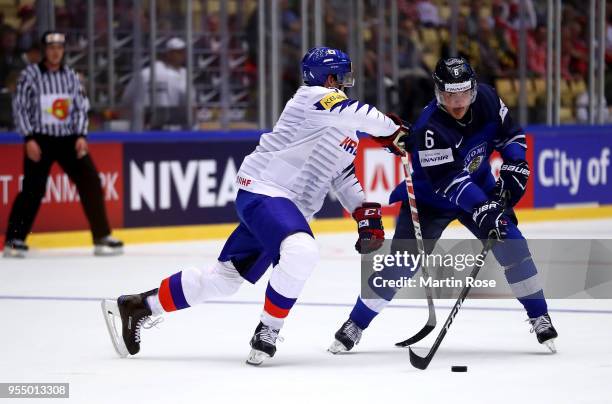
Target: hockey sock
[[298, 257], [276, 308], [365, 310], [525, 284], [171, 294], [534, 304], [194, 286], [155, 305]]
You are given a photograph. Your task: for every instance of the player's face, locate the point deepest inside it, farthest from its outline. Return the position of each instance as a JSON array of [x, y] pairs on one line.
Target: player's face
[[458, 103], [54, 53]]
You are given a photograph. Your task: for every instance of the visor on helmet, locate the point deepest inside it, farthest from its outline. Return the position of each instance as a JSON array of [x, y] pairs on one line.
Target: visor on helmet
[[456, 95], [346, 79]]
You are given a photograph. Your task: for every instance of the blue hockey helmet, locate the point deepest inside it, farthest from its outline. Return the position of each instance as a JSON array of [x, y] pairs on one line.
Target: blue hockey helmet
[[320, 62]]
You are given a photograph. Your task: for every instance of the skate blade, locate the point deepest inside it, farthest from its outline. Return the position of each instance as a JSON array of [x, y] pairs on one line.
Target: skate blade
[[110, 310], [104, 251], [256, 357], [550, 344], [336, 347], [11, 253]]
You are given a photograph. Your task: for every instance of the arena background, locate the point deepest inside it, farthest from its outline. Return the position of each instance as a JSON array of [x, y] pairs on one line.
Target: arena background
[[166, 167]]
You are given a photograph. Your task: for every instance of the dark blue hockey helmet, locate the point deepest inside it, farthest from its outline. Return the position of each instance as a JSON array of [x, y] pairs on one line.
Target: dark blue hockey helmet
[[320, 62], [454, 75]]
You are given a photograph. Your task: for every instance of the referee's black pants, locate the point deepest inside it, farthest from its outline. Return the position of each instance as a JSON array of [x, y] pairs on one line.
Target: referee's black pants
[[80, 170]]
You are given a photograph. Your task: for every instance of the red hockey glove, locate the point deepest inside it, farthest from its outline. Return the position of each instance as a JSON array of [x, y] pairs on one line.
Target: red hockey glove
[[397, 143], [369, 226]]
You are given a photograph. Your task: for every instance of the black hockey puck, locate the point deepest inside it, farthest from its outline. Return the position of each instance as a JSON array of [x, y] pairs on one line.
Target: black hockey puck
[[458, 368]]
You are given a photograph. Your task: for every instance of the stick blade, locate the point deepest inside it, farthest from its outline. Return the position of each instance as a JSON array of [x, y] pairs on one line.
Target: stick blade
[[417, 361], [425, 331]]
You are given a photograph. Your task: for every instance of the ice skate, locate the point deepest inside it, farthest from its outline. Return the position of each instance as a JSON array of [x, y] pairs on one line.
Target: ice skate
[[347, 337], [15, 249], [108, 246], [133, 313], [263, 344], [545, 331]]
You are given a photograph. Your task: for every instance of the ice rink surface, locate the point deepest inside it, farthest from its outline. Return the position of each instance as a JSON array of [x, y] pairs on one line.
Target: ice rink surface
[[53, 331]]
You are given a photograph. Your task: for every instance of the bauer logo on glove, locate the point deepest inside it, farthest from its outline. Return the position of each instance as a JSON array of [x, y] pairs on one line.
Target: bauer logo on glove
[[512, 182]]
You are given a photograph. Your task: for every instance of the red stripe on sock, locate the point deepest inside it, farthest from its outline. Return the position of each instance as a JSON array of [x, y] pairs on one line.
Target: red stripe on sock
[[274, 310], [165, 297]]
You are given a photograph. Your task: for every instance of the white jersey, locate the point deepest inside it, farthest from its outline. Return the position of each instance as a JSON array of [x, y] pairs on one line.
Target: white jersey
[[170, 86], [311, 150]]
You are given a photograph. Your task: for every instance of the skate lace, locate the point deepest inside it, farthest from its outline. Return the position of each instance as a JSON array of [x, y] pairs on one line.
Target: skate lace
[[539, 324], [146, 323], [352, 331], [269, 335]]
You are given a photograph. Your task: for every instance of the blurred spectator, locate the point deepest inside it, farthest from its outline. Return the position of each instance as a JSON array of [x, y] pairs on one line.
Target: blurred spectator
[[500, 11], [291, 49], [9, 56], [11, 64], [3, 25], [466, 46], [574, 55], [415, 84], [514, 16], [536, 51], [473, 19], [488, 46], [609, 32], [170, 84], [582, 109], [410, 48], [76, 9], [428, 13], [408, 9], [28, 35], [63, 19], [502, 37], [32, 55]]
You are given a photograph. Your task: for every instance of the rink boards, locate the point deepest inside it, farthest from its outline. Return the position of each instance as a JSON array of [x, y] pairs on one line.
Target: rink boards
[[188, 178]]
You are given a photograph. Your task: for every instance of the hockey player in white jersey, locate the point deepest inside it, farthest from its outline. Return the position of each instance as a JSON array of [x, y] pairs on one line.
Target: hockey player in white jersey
[[282, 184]]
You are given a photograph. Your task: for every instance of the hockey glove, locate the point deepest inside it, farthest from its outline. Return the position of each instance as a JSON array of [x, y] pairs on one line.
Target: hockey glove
[[490, 219], [369, 226], [512, 181], [398, 142]]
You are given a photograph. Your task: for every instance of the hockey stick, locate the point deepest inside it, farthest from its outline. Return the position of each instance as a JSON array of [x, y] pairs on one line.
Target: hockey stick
[[421, 362], [414, 213]]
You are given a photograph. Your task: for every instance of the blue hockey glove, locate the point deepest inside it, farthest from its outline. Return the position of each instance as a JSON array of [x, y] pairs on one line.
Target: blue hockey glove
[[489, 217], [512, 181]]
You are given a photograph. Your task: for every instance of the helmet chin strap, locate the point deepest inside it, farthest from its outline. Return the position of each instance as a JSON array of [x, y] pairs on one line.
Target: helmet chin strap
[[459, 121]]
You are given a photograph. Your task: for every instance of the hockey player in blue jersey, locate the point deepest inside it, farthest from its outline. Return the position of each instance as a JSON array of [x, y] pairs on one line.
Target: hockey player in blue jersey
[[450, 145]]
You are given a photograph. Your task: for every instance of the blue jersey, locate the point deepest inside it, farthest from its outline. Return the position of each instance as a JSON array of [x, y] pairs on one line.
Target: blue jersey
[[451, 157]]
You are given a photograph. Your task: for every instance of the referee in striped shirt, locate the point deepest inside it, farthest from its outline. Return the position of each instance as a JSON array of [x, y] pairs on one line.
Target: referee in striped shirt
[[50, 111]]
